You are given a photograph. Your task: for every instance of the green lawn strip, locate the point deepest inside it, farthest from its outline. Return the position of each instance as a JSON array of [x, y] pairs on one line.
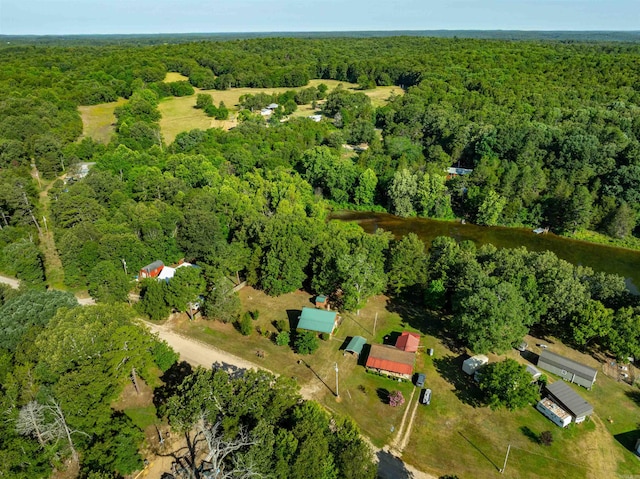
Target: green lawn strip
[[142, 417]]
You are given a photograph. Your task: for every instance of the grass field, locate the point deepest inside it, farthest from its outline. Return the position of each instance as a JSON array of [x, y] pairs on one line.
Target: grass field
[[455, 434], [98, 120], [179, 114]]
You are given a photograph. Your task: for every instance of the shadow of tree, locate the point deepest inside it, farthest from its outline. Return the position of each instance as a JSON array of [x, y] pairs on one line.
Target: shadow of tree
[[634, 396], [391, 467], [426, 321], [628, 439], [172, 378], [450, 368], [529, 434], [383, 395], [232, 370]]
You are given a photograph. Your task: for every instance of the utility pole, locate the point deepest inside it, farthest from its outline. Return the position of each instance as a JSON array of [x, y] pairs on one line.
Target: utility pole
[[505, 460], [337, 392], [124, 264], [44, 218]]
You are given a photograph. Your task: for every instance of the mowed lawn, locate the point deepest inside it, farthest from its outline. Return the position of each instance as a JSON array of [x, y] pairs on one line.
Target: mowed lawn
[[456, 434], [179, 114]]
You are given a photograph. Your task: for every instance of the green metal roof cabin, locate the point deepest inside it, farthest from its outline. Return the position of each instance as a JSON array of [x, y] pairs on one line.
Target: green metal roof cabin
[[318, 320]]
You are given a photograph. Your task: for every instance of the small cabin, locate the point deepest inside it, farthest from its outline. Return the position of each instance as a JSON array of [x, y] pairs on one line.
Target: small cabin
[[322, 302]]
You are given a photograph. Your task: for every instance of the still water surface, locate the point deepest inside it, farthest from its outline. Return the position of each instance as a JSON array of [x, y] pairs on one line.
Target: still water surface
[[599, 257]]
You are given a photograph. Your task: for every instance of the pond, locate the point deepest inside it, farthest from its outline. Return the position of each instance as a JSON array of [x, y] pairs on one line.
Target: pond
[[608, 259]]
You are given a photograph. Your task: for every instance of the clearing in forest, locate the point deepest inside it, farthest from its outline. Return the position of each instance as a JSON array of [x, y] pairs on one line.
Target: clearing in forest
[[98, 121], [179, 114]]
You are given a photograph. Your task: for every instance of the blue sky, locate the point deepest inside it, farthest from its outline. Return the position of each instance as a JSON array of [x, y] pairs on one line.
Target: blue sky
[[186, 16]]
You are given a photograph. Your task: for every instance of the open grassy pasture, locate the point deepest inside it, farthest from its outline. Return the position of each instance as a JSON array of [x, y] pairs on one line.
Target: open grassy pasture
[[179, 114], [98, 120], [456, 434]]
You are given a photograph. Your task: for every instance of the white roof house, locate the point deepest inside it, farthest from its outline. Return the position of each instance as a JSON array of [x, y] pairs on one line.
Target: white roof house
[[272, 106], [266, 112], [168, 272], [315, 118]]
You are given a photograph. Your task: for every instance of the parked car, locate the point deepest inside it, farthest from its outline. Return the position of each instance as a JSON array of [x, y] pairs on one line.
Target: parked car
[[522, 346], [426, 396], [420, 380]]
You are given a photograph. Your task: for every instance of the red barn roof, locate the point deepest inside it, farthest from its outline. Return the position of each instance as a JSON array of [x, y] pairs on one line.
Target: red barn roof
[[408, 342], [388, 358]]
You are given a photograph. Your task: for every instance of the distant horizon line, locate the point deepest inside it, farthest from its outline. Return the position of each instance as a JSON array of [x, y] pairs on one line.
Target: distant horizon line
[[267, 32]]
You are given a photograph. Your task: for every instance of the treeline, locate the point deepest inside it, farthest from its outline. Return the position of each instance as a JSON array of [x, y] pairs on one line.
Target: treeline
[[62, 371], [551, 130], [67, 374]]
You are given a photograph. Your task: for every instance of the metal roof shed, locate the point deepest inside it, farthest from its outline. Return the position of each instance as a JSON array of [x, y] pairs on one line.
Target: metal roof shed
[[355, 345], [567, 369], [570, 400], [318, 320]]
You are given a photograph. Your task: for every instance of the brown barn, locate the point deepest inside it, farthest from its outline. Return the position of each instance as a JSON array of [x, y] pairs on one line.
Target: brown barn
[[151, 270]]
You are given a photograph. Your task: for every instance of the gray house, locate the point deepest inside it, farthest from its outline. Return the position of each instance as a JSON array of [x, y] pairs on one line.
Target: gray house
[[567, 369], [569, 400]]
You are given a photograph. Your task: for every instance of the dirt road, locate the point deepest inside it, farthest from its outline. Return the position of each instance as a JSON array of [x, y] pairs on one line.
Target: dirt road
[[197, 353], [14, 283]]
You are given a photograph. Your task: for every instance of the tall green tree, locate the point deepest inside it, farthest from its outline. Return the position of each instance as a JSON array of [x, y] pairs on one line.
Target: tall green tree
[[507, 384]]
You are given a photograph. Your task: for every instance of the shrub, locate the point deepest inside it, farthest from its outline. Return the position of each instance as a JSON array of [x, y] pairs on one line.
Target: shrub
[[546, 438], [245, 325], [306, 342], [283, 338], [325, 336], [396, 399], [281, 325], [255, 315]]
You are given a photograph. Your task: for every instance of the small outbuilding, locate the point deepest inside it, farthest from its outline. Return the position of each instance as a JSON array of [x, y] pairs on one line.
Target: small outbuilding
[[471, 365], [391, 361], [569, 400], [567, 369], [408, 341], [322, 301], [355, 345], [535, 373], [151, 270], [318, 320]]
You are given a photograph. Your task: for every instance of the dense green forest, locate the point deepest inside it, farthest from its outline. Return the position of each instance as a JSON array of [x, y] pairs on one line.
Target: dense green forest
[[551, 131]]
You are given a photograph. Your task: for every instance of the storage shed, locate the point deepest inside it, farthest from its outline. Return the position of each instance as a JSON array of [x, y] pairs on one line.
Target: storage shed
[[318, 320], [471, 365], [569, 400], [567, 369], [322, 301], [355, 345]]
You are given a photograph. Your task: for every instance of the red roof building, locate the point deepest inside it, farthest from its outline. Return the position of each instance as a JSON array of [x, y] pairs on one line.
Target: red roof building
[[391, 361], [408, 342]]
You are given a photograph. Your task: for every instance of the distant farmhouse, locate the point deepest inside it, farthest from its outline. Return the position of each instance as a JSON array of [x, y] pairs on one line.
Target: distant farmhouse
[[567, 369], [318, 320], [562, 405]]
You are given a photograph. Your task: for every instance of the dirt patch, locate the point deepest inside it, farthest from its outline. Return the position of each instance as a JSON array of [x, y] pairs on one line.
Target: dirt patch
[[130, 398]]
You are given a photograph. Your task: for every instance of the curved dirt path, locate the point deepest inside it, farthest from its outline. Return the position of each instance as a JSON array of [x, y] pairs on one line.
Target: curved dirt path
[[198, 353]]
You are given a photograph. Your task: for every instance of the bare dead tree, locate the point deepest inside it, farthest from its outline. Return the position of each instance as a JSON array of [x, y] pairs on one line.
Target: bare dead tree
[[62, 426], [222, 457], [33, 421]]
